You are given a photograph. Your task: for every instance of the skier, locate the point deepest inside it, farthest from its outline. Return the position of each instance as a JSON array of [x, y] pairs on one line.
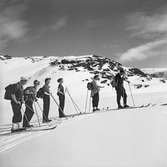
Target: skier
[[61, 94], [95, 93], [46, 100], [120, 90], [17, 99], [30, 97]]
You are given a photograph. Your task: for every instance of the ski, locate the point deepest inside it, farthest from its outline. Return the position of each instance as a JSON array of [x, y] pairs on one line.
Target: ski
[[133, 107], [126, 108], [32, 129], [35, 124]]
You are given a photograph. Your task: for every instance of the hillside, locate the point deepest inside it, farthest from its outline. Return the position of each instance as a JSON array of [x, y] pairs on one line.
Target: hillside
[[110, 138]]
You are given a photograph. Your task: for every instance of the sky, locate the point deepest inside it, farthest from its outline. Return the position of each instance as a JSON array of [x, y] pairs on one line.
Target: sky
[[133, 32]]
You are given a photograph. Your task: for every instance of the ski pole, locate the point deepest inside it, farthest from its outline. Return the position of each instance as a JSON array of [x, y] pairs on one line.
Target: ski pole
[[75, 105], [42, 111], [54, 100], [131, 95], [33, 111], [37, 114], [25, 115], [56, 103], [86, 101], [71, 100], [89, 104]]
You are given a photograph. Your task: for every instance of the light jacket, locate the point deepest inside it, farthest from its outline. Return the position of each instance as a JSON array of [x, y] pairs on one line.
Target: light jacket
[[96, 88]]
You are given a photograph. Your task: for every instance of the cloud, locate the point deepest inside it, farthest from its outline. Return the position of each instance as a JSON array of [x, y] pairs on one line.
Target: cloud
[[151, 27], [145, 51], [61, 22], [12, 26], [148, 26]]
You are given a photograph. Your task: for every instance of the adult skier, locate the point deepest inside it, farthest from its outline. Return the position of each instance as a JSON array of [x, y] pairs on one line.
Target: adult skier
[[17, 100], [46, 100], [29, 97], [61, 94], [120, 90], [95, 93]]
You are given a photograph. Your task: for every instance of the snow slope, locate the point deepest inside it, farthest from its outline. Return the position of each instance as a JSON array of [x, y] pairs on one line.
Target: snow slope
[[125, 138], [111, 139]]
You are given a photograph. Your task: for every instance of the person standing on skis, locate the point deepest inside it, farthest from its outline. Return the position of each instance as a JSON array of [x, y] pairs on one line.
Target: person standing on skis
[[17, 99], [46, 100], [29, 97], [61, 94], [95, 93], [120, 90]]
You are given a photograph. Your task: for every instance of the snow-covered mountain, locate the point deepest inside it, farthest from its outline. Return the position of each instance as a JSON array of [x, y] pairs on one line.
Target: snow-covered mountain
[[125, 138], [76, 71], [156, 72], [93, 64]]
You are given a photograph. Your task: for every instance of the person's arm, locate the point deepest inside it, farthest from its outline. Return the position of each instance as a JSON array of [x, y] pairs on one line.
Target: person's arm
[[125, 78], [34, 94], [13, 97], [46, 90], [99, 85], [60, 91]]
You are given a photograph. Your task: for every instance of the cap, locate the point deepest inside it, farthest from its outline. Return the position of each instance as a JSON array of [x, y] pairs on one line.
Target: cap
[[36, 82], [122, 70], [59, 80], [47, 79], [23, 79], [96, 76]]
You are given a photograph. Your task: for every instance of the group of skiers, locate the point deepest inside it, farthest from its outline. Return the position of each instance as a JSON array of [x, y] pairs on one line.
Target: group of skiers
[[18, 95], [117, 83]]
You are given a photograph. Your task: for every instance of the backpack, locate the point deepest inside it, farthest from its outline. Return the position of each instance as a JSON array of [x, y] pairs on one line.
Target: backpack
[[90, 86], [27, 96], [40, 93], [8, 91], [113, 82]]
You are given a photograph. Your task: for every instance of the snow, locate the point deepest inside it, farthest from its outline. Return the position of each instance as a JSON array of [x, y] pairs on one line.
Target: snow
[[116, 139], [154, 70], [124, 138]]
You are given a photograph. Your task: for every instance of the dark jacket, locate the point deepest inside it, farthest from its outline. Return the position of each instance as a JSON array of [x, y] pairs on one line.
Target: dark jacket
[[18, 91], [96, 88], [30, 93], [60, 91], [46, 89], [119, 80]]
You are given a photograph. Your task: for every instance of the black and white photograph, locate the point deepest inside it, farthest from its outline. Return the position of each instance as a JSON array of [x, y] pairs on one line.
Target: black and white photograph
[[83, 83]]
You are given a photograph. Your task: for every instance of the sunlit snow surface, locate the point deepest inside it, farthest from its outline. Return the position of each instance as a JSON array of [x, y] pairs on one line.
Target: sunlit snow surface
[[124, 138]]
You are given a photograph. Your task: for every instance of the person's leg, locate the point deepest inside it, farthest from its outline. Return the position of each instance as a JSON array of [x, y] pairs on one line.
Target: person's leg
[[48, 109], [61, 105], [124, 97], [25, 117], [118, 98], [31, 112], [28, 113], [94, 102], [17, 115], [46, 106], [97, 101]]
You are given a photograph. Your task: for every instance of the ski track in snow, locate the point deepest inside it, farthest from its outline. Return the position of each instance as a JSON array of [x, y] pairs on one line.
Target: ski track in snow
[[12, 140], [8, 142], [155, 93]]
